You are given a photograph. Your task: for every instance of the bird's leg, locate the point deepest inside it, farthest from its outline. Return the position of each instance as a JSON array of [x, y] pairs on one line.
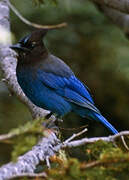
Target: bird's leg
[[52, 124], [48, 115], [48, 123], [48, 162], [57, 120]]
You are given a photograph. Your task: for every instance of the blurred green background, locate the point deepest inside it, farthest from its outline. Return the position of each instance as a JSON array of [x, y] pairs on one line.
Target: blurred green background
[[92, 46]]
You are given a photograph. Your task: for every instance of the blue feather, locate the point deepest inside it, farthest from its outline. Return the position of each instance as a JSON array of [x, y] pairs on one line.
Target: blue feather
[[60, 95], [93, 115], [51, 84], [41, 95], [100, 118], [59, 83]]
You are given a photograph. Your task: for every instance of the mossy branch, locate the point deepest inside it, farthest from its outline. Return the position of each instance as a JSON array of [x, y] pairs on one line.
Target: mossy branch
[[49, 146]]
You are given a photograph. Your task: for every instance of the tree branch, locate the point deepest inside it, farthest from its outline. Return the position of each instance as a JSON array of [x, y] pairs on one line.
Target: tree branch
[[34, 24], [28, 162], [44, 175], [94, 139], [47, 147], [8, 64], [104, 163], [117, 17], [120, 5]]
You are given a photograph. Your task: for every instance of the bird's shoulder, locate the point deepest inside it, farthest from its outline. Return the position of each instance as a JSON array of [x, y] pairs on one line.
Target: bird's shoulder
[[54, 65]]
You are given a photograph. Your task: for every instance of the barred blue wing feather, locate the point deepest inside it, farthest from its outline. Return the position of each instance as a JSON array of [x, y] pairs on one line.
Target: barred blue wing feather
[[74, 92], [60, 83]]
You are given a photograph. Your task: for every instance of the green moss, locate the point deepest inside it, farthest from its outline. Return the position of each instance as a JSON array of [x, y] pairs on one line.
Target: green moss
[[26, 137], [22, 145], [106, 162]]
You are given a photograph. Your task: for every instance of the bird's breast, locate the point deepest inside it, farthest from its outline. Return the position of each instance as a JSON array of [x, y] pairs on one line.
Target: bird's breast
[[39, 93]]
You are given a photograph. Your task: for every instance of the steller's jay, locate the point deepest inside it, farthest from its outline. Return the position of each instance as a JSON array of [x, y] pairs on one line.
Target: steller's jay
[[50, 84]]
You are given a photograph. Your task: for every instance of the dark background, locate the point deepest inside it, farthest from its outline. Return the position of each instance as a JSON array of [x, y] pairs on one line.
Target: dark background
[[96, 50]]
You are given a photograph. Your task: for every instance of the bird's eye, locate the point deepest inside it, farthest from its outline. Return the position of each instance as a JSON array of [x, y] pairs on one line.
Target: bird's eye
[[27, 43], [33, 44], [30, 45]]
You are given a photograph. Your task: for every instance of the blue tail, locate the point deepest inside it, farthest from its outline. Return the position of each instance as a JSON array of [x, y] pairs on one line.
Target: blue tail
[[83, 112], [100, 118]]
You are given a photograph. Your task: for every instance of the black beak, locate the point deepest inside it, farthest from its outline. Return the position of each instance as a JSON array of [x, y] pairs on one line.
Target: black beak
[[18, 47]]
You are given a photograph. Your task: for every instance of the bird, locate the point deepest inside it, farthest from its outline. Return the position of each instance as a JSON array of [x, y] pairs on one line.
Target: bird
[[50, 83]]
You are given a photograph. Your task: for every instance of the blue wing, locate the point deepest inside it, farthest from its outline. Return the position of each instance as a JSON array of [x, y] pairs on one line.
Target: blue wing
[[68, 87]]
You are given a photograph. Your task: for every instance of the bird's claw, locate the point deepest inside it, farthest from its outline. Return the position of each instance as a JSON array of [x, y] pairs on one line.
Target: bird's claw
[[50, 125], [48, 162], [48, 115]]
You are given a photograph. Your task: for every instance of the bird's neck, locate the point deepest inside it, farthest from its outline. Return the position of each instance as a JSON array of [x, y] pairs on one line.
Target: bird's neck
[[34, 56]]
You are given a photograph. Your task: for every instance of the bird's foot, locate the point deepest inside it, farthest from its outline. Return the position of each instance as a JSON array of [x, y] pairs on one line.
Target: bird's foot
[[48, 162], [48, 115], [52, 123], [58, 120]]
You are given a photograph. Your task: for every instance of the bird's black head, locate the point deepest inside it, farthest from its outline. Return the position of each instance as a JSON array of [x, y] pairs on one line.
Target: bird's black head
[[30, 42]]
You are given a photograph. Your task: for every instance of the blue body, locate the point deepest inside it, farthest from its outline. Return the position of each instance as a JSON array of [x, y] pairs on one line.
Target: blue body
[[51, 84]]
